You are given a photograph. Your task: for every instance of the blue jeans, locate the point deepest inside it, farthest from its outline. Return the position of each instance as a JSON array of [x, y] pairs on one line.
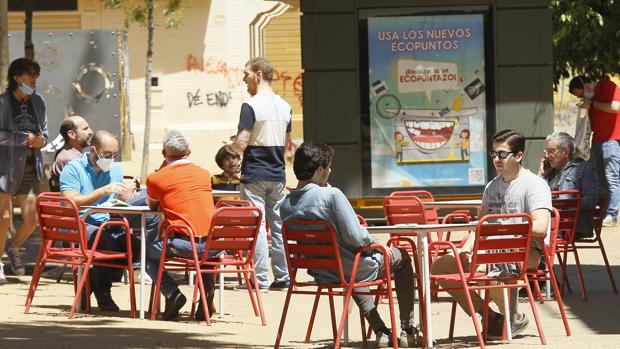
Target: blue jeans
[[176, 248], [606, 159], [268, 197]]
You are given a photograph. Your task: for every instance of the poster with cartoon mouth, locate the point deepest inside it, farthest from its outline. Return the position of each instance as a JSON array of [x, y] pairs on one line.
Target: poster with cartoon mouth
[[428, 101]]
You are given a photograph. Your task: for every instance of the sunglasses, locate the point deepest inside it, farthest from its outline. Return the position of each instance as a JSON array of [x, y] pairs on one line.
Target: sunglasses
[[503, 155]]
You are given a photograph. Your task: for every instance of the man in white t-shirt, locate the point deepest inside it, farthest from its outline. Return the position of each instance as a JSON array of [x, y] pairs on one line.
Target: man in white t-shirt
[[515, 190]]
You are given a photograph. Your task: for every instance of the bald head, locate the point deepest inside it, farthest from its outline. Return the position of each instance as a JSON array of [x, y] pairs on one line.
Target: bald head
[[76, 132]]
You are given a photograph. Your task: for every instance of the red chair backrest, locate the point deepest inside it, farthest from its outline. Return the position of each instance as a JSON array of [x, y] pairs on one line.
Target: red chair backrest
[[59, 220], [404, 210], [232, 203], [234, 228], [362, 220], [498, 243], [425, 196], [568, 203], [311, 245]]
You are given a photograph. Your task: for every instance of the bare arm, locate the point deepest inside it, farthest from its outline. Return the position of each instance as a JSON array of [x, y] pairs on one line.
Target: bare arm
[[241, 141], [540, 222], [95, 195], [153, 204], [612, 107]]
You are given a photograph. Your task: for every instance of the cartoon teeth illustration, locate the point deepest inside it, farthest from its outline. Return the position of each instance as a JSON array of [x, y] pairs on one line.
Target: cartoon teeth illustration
[[429, 135]]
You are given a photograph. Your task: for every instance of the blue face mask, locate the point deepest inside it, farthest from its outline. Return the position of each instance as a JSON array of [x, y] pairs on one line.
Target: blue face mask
[[26, 89]]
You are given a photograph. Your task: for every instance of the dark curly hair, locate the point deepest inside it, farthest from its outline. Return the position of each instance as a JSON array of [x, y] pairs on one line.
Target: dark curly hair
[[222, 154], [309, 156], [21, 66]]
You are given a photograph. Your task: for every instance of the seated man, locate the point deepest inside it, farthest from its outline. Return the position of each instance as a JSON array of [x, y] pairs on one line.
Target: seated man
[[76, 134], [182, 191], [564, 171], [92, 180], [312, 199], [514, 190]]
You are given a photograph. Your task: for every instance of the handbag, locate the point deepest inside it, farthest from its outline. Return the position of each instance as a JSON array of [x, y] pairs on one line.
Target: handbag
[[583, 134]]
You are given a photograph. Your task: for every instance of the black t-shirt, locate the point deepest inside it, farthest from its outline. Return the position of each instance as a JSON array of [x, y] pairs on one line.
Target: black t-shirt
[[23, 116]]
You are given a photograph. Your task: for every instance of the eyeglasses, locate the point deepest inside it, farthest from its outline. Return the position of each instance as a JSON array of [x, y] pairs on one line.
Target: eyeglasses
[[107, 155], [500, 154]]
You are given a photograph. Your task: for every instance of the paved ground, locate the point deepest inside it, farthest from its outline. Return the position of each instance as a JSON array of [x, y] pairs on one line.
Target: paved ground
[[594, 322]]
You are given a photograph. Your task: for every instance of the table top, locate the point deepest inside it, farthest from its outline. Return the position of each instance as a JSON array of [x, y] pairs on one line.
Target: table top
[[465, 203], [120, 209], [219, 193], [421, 228]]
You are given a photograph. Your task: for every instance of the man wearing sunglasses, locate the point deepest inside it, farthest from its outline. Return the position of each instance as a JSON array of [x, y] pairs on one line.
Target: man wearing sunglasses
[[93, 180], [515, 190]]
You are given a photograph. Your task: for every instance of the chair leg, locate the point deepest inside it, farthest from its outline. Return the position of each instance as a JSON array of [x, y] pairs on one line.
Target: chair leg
[[377, 301], [313, 314], [472, 311], [562, 261], [390, 296], [535, 312], [283, 317], [251, 290], [258, 297], [83, 281], [538, 292], [34, 282], [160, 273], [343, 318], [452, 318], [558, 296], [332, 311], [582, 284], [363, 326], [609, 272]]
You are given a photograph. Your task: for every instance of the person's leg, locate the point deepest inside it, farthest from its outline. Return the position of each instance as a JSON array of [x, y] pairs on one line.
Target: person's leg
[[5, 219], [402, 269], [27, 203], [367, 306], [255, 193], [611, 161], [153, 255], [447, 265], [274, 198], [596, 160]]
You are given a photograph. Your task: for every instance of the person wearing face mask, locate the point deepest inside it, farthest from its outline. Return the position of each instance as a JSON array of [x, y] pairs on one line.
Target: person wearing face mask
[[602, 100], [23, 132], [94, 179]]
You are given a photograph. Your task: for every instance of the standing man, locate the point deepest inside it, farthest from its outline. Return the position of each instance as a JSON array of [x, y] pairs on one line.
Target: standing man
[[602, 100], [182, 191], [76, 133], [264, 130], [92, 180], [23, 132], [514, 190], [564, 171]]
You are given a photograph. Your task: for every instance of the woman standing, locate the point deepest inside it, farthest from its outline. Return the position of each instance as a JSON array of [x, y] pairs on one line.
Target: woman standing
[[23, 132]]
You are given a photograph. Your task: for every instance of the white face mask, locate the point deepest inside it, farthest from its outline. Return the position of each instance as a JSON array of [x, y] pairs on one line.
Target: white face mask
[[588, 94], [105, 164]]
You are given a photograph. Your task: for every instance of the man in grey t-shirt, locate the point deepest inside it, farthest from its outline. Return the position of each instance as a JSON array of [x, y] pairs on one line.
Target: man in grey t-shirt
[[514, 190]]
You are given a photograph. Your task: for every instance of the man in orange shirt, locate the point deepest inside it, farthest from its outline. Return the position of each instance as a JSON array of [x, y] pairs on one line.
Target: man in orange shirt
[[602, 99], [182, 191]]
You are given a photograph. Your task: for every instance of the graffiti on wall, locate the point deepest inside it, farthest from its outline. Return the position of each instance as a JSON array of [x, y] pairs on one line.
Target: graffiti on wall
[[288, 85], [216, 98]]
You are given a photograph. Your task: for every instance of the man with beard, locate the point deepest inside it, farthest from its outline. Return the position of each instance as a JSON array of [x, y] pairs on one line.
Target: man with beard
[[77, 133]]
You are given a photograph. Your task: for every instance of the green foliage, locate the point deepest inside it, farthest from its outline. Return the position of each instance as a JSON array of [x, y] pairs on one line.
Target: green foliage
[[586, 37], [135, 10]]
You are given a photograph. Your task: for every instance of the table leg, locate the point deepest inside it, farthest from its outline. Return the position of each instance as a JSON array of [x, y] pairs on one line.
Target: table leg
[[142, 261], [346, 324], [221, 296], [507, 312]]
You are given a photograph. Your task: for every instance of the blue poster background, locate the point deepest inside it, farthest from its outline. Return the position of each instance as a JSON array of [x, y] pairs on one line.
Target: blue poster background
[[427, 101]]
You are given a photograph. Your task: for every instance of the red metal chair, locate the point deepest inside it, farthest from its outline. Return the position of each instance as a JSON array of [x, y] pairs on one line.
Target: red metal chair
[[312, 245], [547, 273], [232, 228], [59, 221], [589, 243], [494, 244], [430, 213], [568, 203]]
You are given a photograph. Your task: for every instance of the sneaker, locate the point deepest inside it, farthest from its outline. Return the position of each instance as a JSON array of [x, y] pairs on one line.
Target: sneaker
[[16, 262], [279, 285], [2, 276], [174, 303], [410, 338], [244, 287], [105, 302], [384, 338], [516, 327], [609, 221]]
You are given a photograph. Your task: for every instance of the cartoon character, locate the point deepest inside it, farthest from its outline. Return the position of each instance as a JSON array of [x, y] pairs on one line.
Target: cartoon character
[[399, 143], [465, 133]]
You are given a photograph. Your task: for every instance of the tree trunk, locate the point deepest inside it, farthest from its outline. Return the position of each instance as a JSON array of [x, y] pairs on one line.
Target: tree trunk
[[147, 117], [28, 45], [4, 43]]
